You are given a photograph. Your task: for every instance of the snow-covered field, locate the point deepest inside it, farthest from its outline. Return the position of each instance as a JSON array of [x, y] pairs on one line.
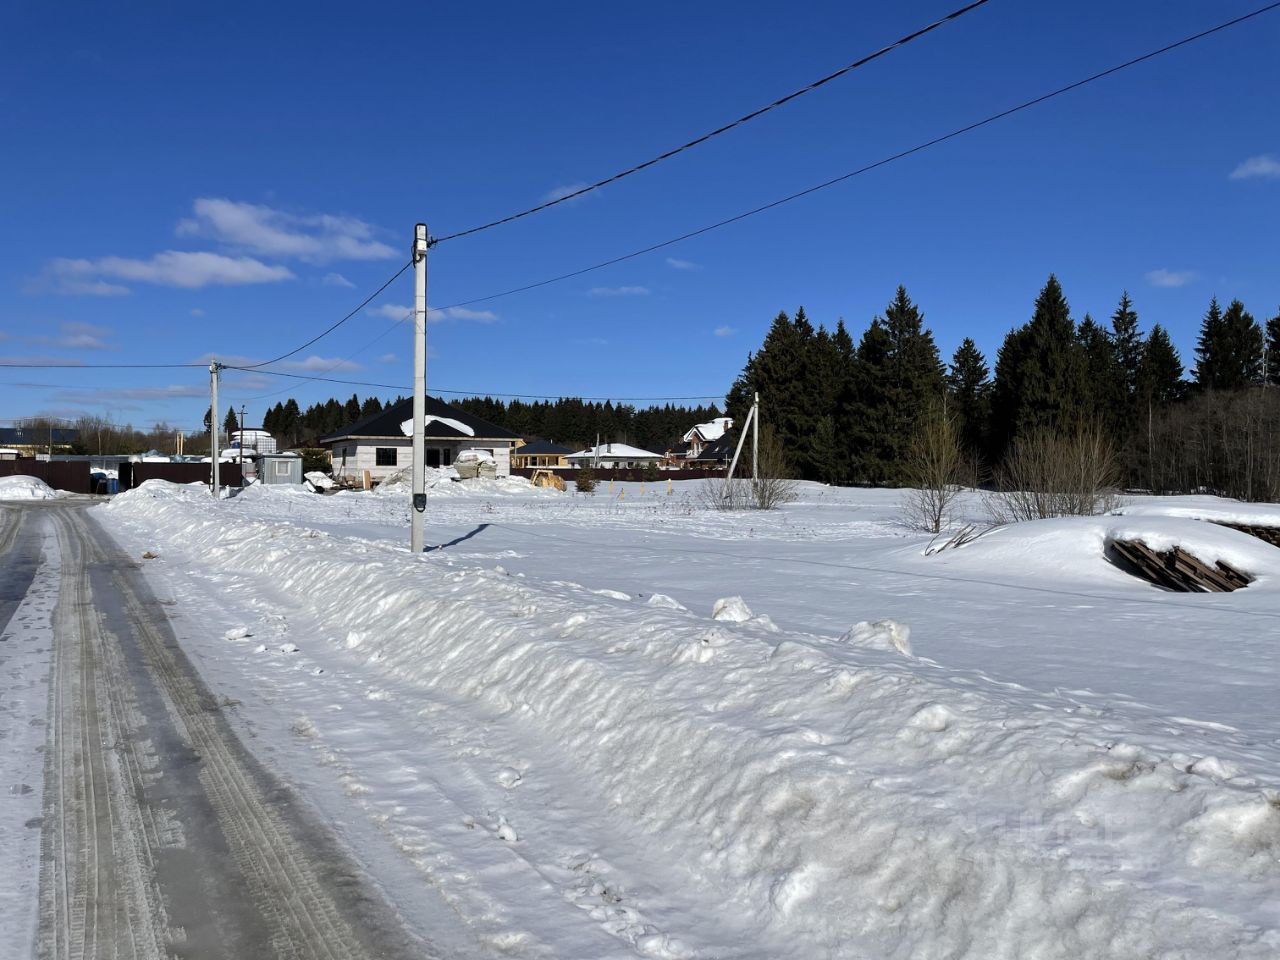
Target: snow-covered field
[[624, 725]]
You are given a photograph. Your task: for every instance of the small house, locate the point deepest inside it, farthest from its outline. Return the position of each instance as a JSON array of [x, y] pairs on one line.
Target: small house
[[614, 456], [540, 453], [382, 444]]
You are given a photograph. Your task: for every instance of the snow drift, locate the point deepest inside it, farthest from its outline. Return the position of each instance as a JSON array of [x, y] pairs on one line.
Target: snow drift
[[835, 796], [26, 488]]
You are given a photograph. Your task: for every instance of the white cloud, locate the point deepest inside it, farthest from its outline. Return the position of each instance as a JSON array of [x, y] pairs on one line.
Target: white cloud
[[388, 358], [78, 336], [314, 364], [724, 330], [336, 280], [1265, 167], [1170, 278], [255, 228], [197, 312], [173, 268], [675, 263], [618, 291], [90, 288], [559, 193], [394, 311]]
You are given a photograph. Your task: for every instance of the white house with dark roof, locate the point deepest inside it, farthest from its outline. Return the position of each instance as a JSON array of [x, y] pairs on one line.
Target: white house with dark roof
[[613, 455], [382, 443]]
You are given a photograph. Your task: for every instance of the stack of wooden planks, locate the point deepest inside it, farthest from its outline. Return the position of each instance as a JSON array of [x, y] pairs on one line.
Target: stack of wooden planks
[[1178, 570]]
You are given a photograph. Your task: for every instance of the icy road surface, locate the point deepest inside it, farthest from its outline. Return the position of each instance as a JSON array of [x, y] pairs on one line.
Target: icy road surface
[[159, 835]]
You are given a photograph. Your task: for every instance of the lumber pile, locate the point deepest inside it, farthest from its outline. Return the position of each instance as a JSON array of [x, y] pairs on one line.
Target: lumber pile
[[1178, 570]]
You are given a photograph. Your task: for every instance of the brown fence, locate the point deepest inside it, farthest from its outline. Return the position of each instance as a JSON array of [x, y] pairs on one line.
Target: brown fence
[[134, 474], [61, 475], [636, 474]]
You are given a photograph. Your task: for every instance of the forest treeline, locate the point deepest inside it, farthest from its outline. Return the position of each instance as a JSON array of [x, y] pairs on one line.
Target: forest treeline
[[847, 412], [570, 421]]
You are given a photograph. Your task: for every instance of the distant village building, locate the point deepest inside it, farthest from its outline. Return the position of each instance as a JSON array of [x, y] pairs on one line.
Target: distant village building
[[540, 453], [704, 444], [382, 444], [30, 441], [252, 438], [610, 456]]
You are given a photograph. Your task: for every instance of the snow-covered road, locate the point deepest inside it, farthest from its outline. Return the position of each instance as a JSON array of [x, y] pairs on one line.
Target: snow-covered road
[[159, 834]]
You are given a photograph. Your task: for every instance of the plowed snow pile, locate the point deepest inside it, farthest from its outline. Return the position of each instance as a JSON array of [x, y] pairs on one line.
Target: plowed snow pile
[[26, 488], [815, 796]]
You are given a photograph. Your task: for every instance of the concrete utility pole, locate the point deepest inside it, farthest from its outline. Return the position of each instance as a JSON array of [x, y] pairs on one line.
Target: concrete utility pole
[[753, 419], [417, 513], [214, 453], [755, 443], [242, 442]]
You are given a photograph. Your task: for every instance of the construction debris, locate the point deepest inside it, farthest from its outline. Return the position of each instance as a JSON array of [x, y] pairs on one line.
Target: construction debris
[[1177, 570]]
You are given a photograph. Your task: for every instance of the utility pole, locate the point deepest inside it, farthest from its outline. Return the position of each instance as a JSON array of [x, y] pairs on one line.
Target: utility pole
[[242, 442], [214, 452], [417, 513], [755, 442]]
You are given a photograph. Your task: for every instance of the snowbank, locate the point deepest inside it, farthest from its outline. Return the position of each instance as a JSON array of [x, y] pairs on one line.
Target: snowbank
[[444, 481], [834, 798], [1218, 509], [26, 488]]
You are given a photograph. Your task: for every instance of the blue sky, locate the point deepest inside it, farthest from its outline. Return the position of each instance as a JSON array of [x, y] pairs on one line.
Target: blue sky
[[182, 182]]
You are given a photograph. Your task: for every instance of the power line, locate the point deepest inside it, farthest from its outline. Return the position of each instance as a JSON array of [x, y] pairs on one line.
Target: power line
[[332, 327], [1025, 105], [474, 393], [863, 61]]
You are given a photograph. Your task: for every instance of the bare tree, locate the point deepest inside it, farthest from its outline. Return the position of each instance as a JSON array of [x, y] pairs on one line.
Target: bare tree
[[1055, 474], [773, 487], [936, 469]]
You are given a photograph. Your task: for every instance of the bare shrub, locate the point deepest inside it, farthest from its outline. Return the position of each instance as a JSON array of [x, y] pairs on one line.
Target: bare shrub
[[1051, 474], [936, 469], [772, 488]]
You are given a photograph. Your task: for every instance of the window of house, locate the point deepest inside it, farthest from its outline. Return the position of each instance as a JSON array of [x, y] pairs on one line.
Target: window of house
[[433, 456], [446, 457], [282, 468], [385, 456]]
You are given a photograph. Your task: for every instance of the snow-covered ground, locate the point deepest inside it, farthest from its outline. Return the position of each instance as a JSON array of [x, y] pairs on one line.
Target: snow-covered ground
[[26, 488], [623, 724]]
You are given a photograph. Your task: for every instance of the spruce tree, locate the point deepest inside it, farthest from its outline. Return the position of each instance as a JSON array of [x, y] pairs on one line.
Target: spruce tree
[[1128, 343], [872, 388], [231, 421], [1160, 374], [1040, 372], [1209, 348], [970, 395], [1106, 396]]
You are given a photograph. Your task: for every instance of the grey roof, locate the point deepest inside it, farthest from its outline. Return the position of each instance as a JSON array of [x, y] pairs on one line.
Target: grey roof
[[543, 448], [28, 436], [387, 424]]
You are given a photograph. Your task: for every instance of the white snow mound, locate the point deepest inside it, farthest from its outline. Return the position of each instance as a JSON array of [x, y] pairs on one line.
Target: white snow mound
[[26, 488]]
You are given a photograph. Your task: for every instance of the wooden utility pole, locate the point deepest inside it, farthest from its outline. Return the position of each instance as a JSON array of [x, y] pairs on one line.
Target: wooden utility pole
[[214, 452], [418, 510]]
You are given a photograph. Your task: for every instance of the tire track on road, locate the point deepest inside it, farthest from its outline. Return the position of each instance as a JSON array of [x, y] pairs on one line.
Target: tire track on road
[[163, 836]]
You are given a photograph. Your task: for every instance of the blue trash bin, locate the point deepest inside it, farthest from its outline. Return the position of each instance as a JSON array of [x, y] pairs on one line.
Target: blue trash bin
[[113, 486]]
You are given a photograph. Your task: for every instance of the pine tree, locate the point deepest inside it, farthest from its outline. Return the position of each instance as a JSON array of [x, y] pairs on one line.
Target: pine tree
[[231, 422], [208, 420], [1128, 343], [970, 395]]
